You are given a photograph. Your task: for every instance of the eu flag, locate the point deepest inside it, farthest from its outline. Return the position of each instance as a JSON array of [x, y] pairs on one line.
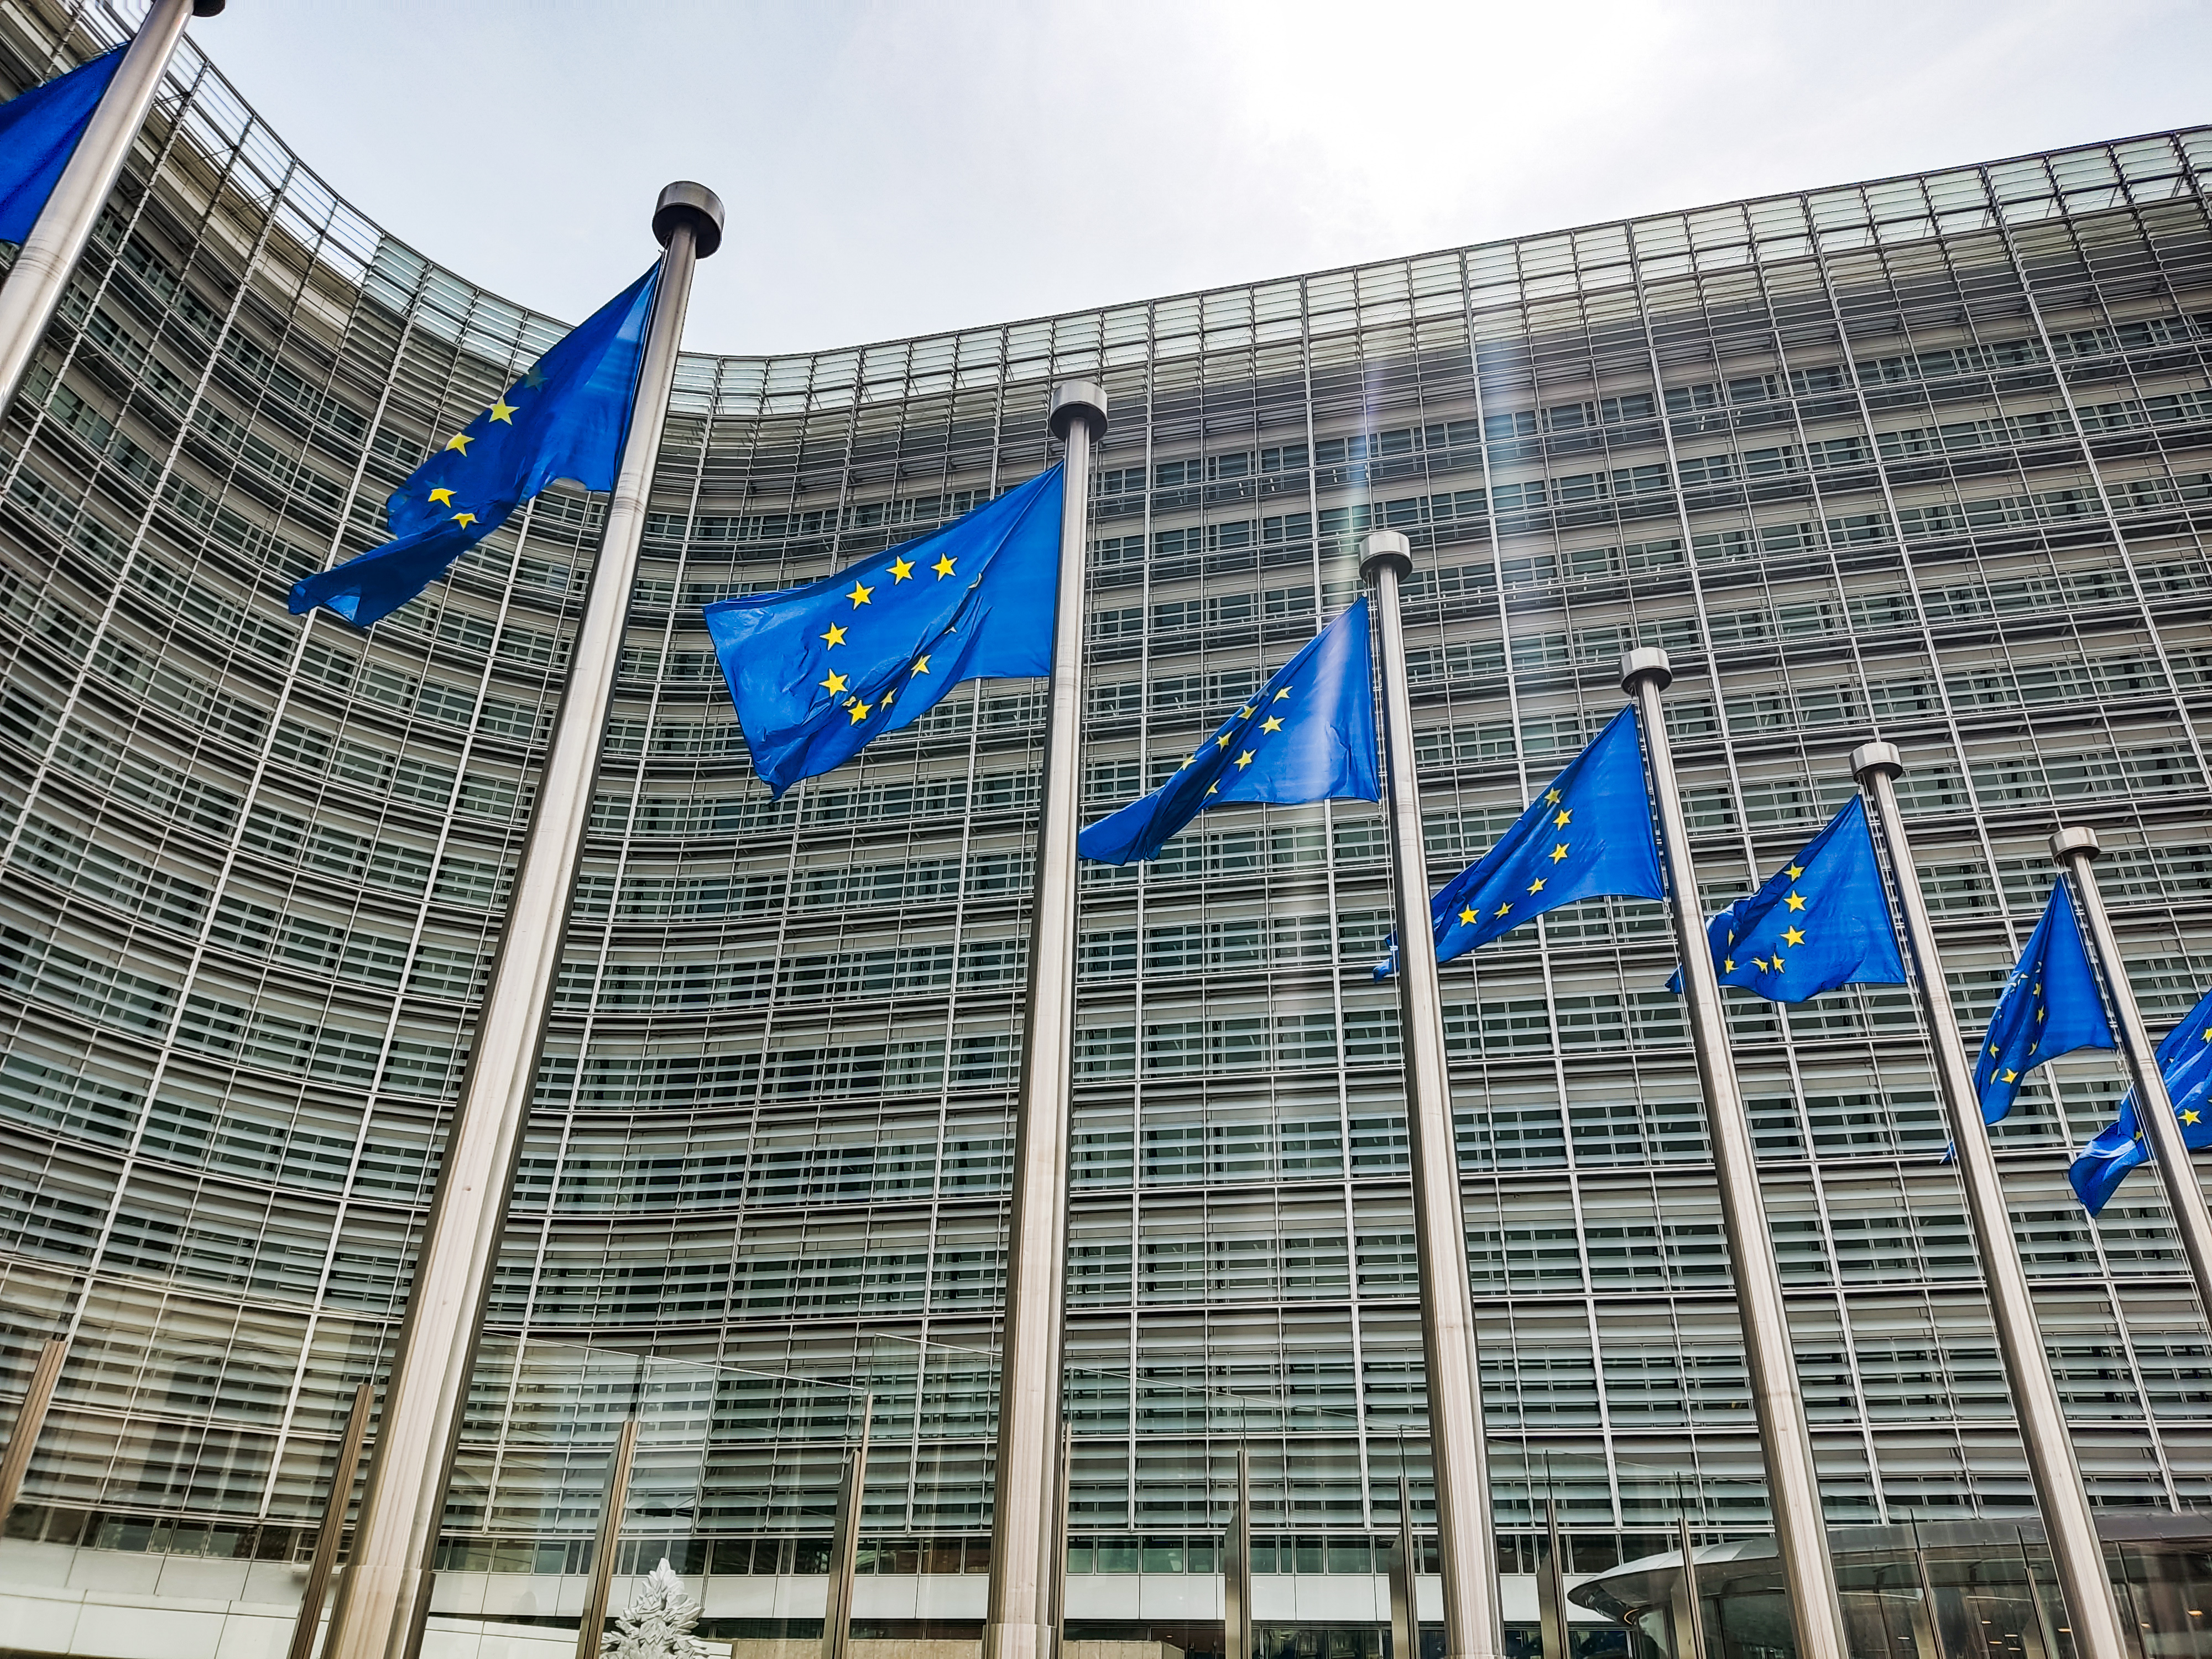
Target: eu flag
[[1822, 920], [818, 673], [2050, 1006], [1588, 834], [39, 131], [1308, 734], [2185, 1061], [565, 419]]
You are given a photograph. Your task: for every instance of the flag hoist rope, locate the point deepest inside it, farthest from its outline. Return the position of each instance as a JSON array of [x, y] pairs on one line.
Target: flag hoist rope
[[2067, 1524], [1019, 1621], [385, 1592], [47, 259]]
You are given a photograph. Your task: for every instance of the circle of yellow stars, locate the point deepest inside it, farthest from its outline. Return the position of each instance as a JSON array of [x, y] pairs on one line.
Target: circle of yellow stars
[[839, 686]]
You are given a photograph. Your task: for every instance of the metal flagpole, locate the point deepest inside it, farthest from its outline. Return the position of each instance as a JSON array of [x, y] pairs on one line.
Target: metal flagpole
[[1692, 1629], [845, 1543], [2068, 1523], [591, 1622], [1237, 1567], [1793, 1484], [309, 1624], [2073, 849], [30, 1419], [1468, 1549], [1018, 1622], [49, 254], [1404, 1575], [1551, 1582], [387, 1590]]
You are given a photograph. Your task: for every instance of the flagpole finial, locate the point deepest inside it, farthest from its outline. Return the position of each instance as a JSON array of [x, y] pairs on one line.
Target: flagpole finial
[[1386, 549], [207, 8], [1646, 662], [2074, 842], [1876, 757], [686, 202], [1078, 400]]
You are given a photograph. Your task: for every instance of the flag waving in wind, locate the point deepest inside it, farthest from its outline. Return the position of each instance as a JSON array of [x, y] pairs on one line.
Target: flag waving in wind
[[565, 418], [1308, 734], [818, 673], [2050, 1006], [39, 131], [1822, 920], [1588, 834], [2184, 1063]]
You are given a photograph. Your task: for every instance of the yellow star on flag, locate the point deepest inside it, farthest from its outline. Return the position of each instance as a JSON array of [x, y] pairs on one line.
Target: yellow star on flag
[[1562, 819], [1793, 936], [2008, 1076], [1537, 885], [502, 411], [444, 498], [861, 711], [465, 519], [1467, 916], [1796, 871], [2192, 1116], [1245, 760], [836, 636], [1502, 909], [859, 595], [942, 567], [1794, 902], [1559, 852], [1551, 798], [459, 441], [901, 569], [920, 665], [1284, 695], [1271, 724], [835, 683]]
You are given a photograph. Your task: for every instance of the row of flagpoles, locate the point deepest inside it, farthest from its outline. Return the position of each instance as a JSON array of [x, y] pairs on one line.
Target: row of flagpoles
[[818, 671]]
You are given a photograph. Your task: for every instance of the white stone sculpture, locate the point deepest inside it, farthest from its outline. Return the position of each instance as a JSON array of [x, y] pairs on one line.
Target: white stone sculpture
[[658, 1623]]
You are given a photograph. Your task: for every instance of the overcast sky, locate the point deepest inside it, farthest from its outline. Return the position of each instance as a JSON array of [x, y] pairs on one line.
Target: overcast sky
[[895, 169]]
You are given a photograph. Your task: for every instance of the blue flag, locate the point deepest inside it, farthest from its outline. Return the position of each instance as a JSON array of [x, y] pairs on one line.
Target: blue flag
[[1822, 920], [1308, 734], [2185, 1061], [1588, 834], [565, 419], [818, 673], [39, 131], [2050, 1006]]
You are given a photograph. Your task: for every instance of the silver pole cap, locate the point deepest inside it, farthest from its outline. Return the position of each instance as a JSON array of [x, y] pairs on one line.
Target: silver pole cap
[[2074, 842], [684, 201], [1078, 400], [1646, 662], [1878, 757], [1386, 549]]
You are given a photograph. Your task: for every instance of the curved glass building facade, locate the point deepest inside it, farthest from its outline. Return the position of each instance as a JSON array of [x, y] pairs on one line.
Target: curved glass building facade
[[1929, 457]]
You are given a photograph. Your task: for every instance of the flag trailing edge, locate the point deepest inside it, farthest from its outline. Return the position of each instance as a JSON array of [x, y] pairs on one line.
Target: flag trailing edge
[[1820, 921], [1308, 734], [38, 132], [565, 418], [1588, 834], [2051, 1006], [820, 670], [2185, 1061]]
